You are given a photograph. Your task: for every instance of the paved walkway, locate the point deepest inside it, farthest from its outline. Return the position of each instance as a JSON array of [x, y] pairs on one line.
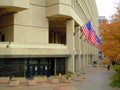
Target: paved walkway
[[96, 80]]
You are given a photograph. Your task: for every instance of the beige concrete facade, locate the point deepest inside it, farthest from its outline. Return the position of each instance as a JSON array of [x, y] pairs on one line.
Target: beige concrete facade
[[48, 28]]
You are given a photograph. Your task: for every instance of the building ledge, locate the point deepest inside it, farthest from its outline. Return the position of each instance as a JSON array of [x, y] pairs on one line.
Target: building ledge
[[50, 50], [18, 45], [7, 6]]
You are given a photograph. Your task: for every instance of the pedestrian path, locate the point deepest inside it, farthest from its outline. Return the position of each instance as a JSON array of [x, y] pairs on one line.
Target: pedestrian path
[[95, 80]]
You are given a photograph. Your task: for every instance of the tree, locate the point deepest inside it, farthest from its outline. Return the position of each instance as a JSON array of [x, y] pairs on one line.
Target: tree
[[110, 34], [116, 16]]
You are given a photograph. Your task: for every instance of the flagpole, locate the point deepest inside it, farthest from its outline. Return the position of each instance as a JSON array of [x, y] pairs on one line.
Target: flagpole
[[82, 25], [81, 36], [75, 32]]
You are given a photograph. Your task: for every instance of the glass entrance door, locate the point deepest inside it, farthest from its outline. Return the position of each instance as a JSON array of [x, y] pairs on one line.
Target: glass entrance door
[[40, 66], [44, 66], [43, 69], [33, 70]]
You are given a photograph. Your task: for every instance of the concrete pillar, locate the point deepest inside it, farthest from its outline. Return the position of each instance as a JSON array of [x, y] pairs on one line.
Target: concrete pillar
[[85, 53], [86, 59], [82, 54], [77, 49], [70, 44], [91, 55], [76, 35], [88, 54], [80, 49]]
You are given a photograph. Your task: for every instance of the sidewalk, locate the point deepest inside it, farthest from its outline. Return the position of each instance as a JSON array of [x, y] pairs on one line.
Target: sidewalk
[[95, 80]]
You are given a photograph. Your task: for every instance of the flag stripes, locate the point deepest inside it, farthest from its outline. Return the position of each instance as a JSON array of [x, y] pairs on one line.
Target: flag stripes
[[90, 35], [86, 30]]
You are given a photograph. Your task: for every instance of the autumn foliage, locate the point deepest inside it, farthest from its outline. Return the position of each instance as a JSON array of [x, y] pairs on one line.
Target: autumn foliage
[[111, 40], [110, 36]]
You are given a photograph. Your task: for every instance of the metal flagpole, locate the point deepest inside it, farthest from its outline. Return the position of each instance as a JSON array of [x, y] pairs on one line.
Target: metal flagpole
[[75, 32], [81, 36], [79, 29]]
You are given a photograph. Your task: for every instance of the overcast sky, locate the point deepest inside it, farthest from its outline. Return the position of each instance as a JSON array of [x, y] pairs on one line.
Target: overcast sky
[[106, 7]]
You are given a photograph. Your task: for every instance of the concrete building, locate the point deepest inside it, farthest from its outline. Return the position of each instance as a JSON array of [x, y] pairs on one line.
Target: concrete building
[[43, 37]]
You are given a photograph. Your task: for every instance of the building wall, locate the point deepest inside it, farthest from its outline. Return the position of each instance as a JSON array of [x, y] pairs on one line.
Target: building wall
[[28, 31], [31, 26]]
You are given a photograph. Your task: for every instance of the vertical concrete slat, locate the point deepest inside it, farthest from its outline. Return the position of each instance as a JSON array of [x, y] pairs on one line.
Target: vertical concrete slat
[[70, 44]]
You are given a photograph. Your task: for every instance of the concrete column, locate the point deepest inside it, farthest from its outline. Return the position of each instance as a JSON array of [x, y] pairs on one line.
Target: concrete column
[[76, 35], [80, 49], [82, 54], [77, 49], [70, 44], [89, 55], [85, 53], [86, 59], [96, 52], [80, 64], [70, 34]]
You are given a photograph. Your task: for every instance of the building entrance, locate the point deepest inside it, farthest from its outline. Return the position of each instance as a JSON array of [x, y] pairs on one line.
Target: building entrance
[[28, 67], [39, 67], [44, 66]]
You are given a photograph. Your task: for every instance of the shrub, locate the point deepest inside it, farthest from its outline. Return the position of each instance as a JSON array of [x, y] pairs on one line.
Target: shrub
[[115, 83], [116, 77], [69, 73]]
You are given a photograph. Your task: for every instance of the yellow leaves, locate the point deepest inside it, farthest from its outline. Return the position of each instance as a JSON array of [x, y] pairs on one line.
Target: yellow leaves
[[106, 61], [110, 34]]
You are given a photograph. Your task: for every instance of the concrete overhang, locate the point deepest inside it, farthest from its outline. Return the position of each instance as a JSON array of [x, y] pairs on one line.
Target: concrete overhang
[[8, 6]]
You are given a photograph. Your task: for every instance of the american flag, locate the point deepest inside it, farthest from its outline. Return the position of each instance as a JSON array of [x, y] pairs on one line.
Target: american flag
[[92, 37], [98, 43], [86, 30]]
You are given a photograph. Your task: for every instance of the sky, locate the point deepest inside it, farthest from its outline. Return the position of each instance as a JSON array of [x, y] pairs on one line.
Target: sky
[[106, 7]]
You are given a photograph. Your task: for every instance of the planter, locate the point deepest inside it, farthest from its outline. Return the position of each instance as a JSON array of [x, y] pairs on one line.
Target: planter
[[83, 76], [22, 80], [66, 80], [4, 79], [72, 77], [54, 79], [78, 78], [14, 83], [40, 79], [31, 82]]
